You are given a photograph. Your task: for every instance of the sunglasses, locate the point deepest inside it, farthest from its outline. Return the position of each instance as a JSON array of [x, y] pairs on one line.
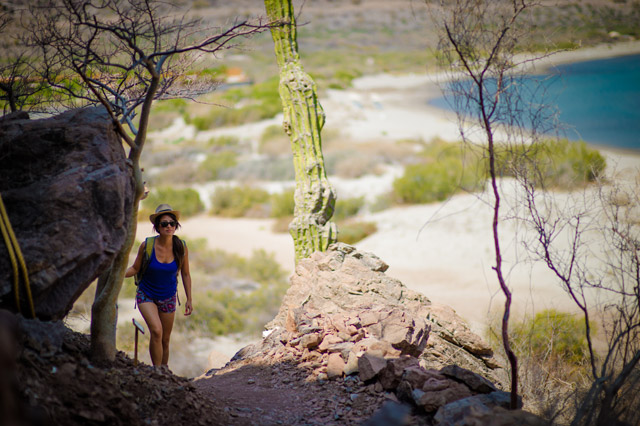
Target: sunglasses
[[165, 224]]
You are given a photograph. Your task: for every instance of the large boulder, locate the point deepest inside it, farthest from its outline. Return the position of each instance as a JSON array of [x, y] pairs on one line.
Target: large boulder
[[341, 301], [345, 281], [69, 195]]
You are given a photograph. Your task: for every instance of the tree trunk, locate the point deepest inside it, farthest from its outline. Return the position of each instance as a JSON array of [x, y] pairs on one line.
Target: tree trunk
[[311, 227], [104, 310]]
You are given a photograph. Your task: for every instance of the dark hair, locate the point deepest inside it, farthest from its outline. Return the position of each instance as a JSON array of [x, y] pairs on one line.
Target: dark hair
[[178, 246]]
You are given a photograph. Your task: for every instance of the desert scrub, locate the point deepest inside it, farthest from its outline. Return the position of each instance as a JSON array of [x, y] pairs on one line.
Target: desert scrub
[[350, 231], [336, 68], [444, 169], [214, 164], [252, 103], [227, 310], [274, 141], [553, 163], [282, 203], [222, 142], [552, 334], [239, 201], [269, 169], [347, 207], [352, 164], [186, 200], [551, 348], [282, 206]]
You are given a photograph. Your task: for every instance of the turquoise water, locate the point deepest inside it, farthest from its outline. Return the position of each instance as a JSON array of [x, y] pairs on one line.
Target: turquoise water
[[597, 101]]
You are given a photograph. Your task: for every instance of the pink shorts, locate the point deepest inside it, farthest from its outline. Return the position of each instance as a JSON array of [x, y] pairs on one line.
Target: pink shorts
[[167, 305]]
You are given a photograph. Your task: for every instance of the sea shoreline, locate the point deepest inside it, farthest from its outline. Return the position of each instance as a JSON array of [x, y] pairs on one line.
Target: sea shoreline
[[546, 64], [585, 54]]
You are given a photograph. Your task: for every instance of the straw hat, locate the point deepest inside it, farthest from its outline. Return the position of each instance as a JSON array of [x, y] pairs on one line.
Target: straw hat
[[164, 209]]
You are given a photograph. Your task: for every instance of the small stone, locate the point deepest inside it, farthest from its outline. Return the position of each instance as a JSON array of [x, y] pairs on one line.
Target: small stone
[[343, 348], [369, 366], [368, 318], [351, 367], [335, 366], [329, 339], [391, 375], [474, 381], [310, 341]]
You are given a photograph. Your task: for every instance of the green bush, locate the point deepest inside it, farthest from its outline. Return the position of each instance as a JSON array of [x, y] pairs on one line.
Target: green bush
[[223, 141], [342, 78], [265, 103], [282, 204], [170, 105], [350, 232], [274, 131], [239, 201], [552, 163], [226, 311], [274, 141], [187, 201], [445, 169], [435, 181], [550, 335], [347, 207], [277, 169], [214, 164], [281, 224], [382, 202]]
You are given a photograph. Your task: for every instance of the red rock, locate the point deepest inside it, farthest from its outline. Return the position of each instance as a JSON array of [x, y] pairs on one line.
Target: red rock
[[335, 366], [369, 366]]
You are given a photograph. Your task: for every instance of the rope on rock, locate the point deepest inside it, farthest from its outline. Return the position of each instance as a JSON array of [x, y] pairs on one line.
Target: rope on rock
[[15, 254]]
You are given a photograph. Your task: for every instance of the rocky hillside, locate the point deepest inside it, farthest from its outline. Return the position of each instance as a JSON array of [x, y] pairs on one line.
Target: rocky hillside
[[349, 346]]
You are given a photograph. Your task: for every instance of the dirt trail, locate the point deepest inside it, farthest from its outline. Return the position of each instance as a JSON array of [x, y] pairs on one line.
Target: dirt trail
[[281, 394]]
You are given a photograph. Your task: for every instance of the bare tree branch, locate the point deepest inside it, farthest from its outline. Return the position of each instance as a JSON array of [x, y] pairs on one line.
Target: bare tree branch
[[123, 55]]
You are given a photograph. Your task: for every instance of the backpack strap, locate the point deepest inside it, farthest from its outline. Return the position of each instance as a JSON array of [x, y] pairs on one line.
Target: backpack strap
[[148, 248], [184, 244], [146, 258]]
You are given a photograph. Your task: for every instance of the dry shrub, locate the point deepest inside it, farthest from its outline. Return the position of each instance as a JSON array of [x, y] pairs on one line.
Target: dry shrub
[[552, 361]]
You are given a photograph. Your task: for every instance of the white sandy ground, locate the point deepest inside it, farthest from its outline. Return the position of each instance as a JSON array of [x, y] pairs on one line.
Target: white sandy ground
[[444, 250]]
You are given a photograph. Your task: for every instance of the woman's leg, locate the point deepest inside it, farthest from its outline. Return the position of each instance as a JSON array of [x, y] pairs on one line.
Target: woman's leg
[[151, 316], [166, 318]]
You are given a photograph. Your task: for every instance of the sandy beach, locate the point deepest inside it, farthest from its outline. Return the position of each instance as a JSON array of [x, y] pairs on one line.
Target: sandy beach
[[443, 250]]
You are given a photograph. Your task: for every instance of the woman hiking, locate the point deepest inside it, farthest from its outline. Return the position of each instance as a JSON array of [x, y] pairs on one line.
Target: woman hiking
[[158, 281]]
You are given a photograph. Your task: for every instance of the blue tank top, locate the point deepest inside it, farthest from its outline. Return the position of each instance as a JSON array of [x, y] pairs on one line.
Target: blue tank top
[[160, 280]]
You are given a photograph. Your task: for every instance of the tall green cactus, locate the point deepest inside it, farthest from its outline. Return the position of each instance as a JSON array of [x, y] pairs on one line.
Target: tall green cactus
[[311, 227]]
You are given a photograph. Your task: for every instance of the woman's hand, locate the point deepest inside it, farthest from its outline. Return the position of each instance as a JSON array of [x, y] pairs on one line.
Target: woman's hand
[[188, 308]]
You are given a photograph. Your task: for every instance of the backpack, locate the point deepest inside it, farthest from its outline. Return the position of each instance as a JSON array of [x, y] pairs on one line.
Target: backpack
[[146, 257]]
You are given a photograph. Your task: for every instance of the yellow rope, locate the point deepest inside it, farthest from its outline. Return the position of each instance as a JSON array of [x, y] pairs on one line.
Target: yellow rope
[[14, 251], [12, 256]]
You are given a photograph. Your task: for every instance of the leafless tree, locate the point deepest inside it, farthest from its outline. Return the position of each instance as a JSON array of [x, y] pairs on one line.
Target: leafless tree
[[123, 55], [20, 86], [478, 45], [592, 242], [590, 239]]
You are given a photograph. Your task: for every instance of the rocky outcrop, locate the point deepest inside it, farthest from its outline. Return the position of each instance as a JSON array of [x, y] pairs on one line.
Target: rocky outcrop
[[343, 316], [69, 195], [344, 281]]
